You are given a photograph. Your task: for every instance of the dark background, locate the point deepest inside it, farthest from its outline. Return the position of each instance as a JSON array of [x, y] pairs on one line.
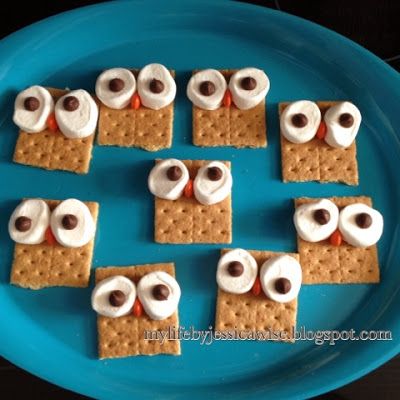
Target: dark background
[[371, 23]]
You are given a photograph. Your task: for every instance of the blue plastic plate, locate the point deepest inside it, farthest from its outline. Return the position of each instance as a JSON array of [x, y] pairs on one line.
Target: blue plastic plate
[[52, 332]]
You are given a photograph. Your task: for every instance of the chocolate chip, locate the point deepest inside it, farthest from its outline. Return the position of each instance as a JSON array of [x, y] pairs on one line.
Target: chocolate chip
[[299, 120], [69, 222], [346, 120], [31, 103], [207, 88], [71, 103], [214, 173], [235, 268], [283, 285], [248, 83], [363, 220], [174, 173], [160, 292], [322, 216], [156, 86], [117, 298], [23, 224], [116, 84]]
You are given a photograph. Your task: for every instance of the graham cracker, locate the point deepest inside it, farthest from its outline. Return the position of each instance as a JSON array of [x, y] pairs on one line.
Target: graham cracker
[[316, 160], [144, 128], [322, 262], [185, 220], [43, 265], [124, 336], [52, 150], [230, 126], [247, 312]]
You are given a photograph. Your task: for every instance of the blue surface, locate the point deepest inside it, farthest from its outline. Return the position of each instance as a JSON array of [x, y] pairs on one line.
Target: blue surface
[[52, 332]]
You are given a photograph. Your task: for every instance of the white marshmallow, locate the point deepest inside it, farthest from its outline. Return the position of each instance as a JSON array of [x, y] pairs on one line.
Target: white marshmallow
[[39, 213], [352, 233], [85, 230], [246, 99], [237, 284], [308, 228], [116, 100], [277, 267], [101, 296], [213, 101], [209, 192], [337, 135], [305, 134], [81, 122], [152, 100], [158, 309], [33, 121]]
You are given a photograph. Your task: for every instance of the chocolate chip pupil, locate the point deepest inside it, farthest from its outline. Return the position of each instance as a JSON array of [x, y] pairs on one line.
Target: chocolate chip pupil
[[283, 285], [69, 222], [322, 216], [116, 84], [174, 173], [346, 120], [299, 120], [235, 268], [31, 103], [117, 298], [156, 86], [71, 103], [248, 83], [160, 292], [23, 224], [207, 88], [363, 220], [214, 173]]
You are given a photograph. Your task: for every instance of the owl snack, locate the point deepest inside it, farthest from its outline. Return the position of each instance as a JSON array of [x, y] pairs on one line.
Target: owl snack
[[192, 201], [137, 107], [132, 300], [56, 128], [318, 141], [229, 107], [54, 242]]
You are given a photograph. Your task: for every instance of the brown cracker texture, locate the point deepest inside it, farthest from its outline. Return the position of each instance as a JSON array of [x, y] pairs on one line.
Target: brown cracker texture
[[247, 312], [316, 160], [323, 263], [52, 150], [124, 336], [185, 220], [42, 265], [144, 128], [229, 126]]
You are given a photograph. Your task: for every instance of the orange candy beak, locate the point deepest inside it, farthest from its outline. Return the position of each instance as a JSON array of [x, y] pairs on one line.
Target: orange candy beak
[[336, 238], [50, 238], [256, 289], [52, 122], [135, 101], [227, 100], [321, 131], [188, 191], [137, 308]]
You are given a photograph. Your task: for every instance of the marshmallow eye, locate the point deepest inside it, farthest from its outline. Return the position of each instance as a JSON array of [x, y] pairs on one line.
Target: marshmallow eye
[[280, 278], [316, 221], [32, 108], [114, 297], [237, 271], [213, 183], [156, 86], [360, 225], [168, 179], [248, 86], [29, 222], [342, 122], [76, 114], [206, 89], [72, 223], [115, 87], [159, 294], [300, 120]]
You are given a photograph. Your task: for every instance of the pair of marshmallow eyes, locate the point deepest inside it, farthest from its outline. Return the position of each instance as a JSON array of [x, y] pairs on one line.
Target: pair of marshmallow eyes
[[301, 121], [155, 86], [70, 222], [169, 178], [206, 89], [359, 224], [158, 293], [280, 276], [76, 112]]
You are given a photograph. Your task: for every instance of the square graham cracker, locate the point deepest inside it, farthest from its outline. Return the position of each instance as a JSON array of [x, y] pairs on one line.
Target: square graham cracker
[[229, 126], [124, 336], [316, 160], [247, 312], [322, 262], [145, 128], [36, 266], [185, 220], [52, 150]]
